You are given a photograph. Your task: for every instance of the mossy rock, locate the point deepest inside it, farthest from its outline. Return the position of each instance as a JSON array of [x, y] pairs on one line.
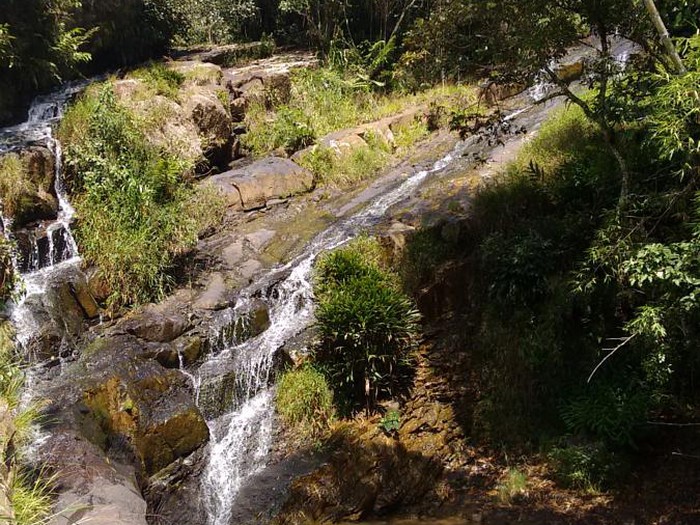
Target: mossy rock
[[151, 410], [27, 186]]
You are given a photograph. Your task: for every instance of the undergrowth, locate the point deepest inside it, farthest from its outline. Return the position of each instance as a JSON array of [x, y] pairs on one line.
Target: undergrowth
[[324, 100], [368, 326], [138, 209]]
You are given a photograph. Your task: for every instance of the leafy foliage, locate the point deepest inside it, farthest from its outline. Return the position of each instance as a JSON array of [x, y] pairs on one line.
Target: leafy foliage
[[588, 466], [367, 325], [213, 21]]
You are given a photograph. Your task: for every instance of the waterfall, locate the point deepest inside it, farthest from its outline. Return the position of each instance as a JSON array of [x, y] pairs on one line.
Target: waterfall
[[242, 438], [49, 248]]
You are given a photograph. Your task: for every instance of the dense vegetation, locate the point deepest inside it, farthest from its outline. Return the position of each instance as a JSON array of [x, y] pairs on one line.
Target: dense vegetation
[[138, 209], [585, 301], [584, 307]]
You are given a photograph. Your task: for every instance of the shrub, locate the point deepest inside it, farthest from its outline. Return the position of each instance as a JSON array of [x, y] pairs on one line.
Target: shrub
[[610, 413], [368, 327], [304, 400], [137, 211], [516, 267], [590, 466], [391, 422]]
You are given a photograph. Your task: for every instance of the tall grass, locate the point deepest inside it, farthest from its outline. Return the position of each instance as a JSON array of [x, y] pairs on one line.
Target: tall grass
[[16, 189], [305, 401], [138, 211], [323, 101], [29, 493]]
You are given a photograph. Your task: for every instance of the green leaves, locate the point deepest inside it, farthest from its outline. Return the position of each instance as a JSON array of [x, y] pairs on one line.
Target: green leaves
[[368, 327]]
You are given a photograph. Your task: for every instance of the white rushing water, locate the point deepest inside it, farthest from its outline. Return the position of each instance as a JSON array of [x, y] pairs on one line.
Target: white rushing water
[[48, 248]]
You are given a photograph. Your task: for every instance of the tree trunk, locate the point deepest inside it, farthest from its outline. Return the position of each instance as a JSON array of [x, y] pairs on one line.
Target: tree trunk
[[664, 36]]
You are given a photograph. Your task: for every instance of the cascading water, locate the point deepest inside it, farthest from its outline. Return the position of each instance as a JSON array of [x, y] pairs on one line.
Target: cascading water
[[48, 248], [242, 438]]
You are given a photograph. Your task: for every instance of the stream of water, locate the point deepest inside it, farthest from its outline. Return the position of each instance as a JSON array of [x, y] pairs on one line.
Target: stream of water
[[47, 248], [242, 438]]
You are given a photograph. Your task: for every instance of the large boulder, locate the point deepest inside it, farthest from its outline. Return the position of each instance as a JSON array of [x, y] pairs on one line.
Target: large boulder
[[151, 409], [493, 92], [91, 488], [204, 107], [570, 72], [254, 186], [120, 398], [50, 320], [150, 324], [27, 186]]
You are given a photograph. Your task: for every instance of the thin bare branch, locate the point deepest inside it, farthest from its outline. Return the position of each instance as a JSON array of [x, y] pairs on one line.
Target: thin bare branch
[[612, 352]]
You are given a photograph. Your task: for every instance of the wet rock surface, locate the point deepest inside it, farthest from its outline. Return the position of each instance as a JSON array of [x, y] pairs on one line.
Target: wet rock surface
[[28, 193]]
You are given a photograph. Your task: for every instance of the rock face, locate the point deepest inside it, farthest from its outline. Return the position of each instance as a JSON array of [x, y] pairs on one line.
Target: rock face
[[117, 416], [207, 111], [369, 473], [27, 186], [150, 408], [344, 142], [256, 185], [92, 490], [56, 318]]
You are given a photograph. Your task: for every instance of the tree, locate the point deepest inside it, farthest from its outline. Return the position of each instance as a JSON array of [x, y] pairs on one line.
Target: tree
[[664, 36], [533, 33]]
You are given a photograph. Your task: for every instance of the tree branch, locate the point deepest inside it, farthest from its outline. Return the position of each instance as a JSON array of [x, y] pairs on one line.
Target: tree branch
[[612, 352]]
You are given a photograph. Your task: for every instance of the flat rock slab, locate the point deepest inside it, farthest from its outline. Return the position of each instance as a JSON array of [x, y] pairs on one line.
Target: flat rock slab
[[215, 296], [265, 180]]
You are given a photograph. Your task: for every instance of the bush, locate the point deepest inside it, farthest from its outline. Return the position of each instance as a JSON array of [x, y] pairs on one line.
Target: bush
[[137, 211], [304, 400], [368, 327], [591, 466]]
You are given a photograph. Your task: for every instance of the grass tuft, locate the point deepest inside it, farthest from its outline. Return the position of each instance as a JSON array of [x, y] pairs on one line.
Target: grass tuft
[[305, 401]]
